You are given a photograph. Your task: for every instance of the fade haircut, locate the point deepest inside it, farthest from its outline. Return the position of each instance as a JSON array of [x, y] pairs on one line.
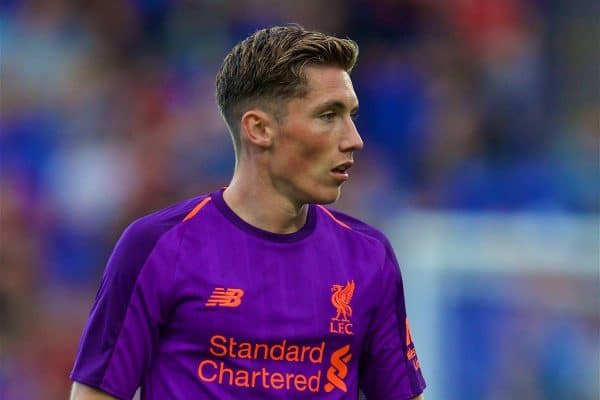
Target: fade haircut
[[266, 69]]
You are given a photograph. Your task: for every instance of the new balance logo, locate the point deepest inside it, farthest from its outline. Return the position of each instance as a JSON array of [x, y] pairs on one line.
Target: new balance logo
[[338, 370], [225, 297]]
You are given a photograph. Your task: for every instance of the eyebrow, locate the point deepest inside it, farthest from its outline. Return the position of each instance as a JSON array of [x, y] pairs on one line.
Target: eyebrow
[[336, 105]]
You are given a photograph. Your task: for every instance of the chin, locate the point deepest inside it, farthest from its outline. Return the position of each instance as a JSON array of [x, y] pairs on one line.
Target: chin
[[325, 196]]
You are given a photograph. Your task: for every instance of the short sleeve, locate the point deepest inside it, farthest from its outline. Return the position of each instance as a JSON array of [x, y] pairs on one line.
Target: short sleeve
[[121, 332], [389, 367]]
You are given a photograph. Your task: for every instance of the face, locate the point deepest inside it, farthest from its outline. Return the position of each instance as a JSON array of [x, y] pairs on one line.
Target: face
[[314, 143]]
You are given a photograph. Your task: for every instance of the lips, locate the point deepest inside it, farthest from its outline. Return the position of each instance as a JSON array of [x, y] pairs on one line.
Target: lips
[[340, 172], [342, 168]]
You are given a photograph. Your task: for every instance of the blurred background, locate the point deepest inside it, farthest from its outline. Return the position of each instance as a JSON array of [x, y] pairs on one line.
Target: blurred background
[[481, 123]]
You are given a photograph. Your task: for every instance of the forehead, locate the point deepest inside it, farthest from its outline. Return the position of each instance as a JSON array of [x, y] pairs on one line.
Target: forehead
[[328, 84]]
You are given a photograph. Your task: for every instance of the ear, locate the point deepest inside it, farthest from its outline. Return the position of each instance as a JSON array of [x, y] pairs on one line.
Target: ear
[[257, 127]]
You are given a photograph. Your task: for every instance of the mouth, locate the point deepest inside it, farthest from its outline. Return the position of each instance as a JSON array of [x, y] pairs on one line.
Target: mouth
[[341, 171]]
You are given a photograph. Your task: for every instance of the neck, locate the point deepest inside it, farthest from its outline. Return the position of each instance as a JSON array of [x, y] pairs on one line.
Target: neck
[[257, 202]]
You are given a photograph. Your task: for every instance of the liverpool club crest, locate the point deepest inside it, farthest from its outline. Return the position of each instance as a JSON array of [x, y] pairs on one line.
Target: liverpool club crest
[[340, 299]]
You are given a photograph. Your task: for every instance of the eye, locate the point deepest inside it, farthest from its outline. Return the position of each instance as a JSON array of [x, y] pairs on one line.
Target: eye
[[327, 117], [354, 116]]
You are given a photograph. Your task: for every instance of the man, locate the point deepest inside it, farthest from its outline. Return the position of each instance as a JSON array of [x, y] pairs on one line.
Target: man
[[257, 291]]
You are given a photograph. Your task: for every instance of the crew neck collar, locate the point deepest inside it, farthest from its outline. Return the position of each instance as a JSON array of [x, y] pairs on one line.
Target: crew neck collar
[[307, 229]]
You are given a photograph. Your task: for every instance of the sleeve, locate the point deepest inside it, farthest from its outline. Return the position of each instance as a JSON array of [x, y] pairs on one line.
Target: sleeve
[[121, 333], [389, 367]]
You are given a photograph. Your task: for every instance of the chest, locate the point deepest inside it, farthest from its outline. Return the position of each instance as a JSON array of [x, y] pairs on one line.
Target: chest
[[264, 293]]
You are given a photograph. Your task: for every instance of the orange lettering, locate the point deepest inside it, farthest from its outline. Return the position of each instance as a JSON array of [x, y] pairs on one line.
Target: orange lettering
[[213, 343], [222, 371], [241, 378], [277, 380], [265, 350], [304, 350], [245, 350], [411, 353], [281, 348], [211, 371], [341, 327], [265, 376], [300, 382], [408, 335], [316, 354], [221, 346], [293, 353], [232, 344], [200, 368], [254, 375], [416, 364], [314, 381], [347, 329], [288, 378]]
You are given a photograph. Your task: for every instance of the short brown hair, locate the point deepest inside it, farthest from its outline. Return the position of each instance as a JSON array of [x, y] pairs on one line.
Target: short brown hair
[[267, 67]]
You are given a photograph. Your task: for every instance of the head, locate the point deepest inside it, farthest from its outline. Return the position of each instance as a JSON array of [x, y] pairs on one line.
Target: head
[[287, 98]]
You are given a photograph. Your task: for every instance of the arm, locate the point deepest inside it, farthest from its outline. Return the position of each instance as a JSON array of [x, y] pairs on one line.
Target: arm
[[122, 330], [82, 392], [389, 364]]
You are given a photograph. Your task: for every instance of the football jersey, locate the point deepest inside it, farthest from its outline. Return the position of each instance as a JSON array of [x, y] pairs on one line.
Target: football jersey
[[195, 303]]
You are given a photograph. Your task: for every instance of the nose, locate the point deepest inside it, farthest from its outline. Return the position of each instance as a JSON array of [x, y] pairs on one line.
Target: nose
[[351, 140]]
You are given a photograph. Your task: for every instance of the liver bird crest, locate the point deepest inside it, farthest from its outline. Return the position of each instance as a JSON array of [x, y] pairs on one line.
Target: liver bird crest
[[341, 298]]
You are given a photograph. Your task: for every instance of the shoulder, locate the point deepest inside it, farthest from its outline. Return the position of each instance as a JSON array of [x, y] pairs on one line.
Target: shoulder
[[360, 230], [152, 226], [141, 236]]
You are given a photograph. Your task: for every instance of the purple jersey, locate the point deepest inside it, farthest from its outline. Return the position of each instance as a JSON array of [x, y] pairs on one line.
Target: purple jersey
[[197, 304]]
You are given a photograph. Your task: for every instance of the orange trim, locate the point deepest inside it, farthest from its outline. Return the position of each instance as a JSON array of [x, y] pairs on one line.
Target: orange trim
[[332, 217], [408, 335], [197, 208]]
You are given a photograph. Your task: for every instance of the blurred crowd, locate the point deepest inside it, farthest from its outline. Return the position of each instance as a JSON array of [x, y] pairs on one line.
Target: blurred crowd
[[108, 113]]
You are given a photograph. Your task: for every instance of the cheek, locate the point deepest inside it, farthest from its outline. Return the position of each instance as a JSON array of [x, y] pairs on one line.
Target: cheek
[[305, 152], [310, 157]]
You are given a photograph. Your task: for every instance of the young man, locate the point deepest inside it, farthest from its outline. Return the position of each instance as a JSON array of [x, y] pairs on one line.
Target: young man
[[258, 291]]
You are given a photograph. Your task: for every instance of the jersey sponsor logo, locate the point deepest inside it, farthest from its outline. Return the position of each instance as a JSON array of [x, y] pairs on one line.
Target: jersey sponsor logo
[[221, 346], [225, 297], [411, 353], [338, 370], [219, 370], [255, 365], [341, 298]]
